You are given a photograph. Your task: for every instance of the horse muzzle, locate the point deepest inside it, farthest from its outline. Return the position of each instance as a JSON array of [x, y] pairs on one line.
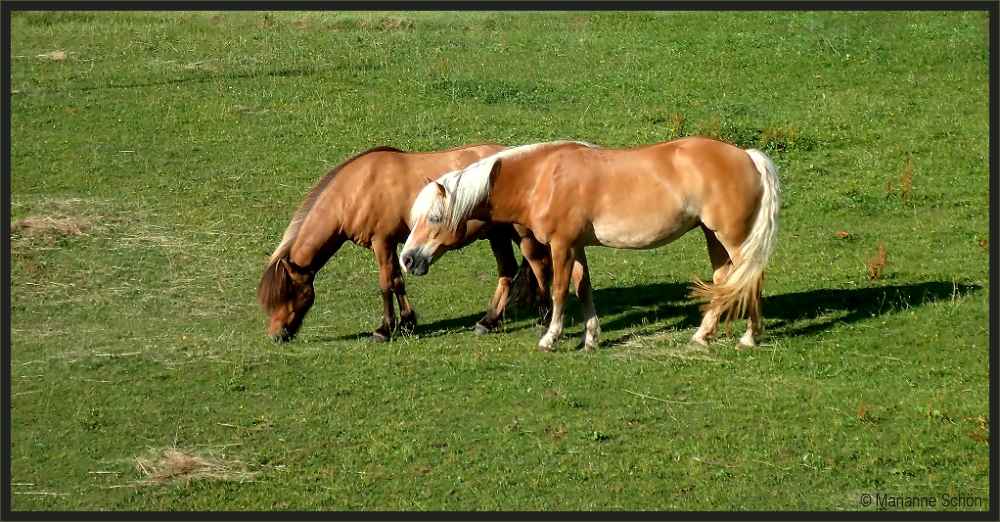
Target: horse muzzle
[[415, 264], [282, 336]]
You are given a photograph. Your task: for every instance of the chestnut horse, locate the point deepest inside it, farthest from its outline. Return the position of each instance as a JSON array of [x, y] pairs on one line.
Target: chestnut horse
[[572, 195], [366, 199]]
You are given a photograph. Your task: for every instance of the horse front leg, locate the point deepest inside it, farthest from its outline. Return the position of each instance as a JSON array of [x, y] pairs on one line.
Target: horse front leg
[[562, 269], [506, 269], [407, 315], [581, 278], [537, 256], [385, 254]]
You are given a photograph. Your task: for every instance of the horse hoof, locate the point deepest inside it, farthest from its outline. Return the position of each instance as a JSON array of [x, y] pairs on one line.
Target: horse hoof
[[480, 330], [407, 327], [380, 337], [549, 346], [698, 343]]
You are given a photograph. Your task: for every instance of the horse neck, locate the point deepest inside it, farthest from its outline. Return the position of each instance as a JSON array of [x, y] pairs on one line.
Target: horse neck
[[508, 199], [319, 238]]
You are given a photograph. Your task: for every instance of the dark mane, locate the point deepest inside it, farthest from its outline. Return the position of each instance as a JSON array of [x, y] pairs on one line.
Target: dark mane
[[273, 289]]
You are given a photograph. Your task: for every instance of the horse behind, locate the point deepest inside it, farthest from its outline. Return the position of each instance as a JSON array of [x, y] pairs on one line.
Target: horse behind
[[572, 195], [366, 200]]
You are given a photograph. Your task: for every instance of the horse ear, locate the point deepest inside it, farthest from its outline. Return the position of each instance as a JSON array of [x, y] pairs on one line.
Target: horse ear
[[495, 170], [427, 181], [440, 188]]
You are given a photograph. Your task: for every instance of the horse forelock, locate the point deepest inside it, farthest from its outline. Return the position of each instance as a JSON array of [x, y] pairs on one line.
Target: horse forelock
[[273, 287], [428, 202]]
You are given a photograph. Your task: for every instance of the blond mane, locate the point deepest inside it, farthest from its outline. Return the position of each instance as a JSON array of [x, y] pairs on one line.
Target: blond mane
[[467, 188]]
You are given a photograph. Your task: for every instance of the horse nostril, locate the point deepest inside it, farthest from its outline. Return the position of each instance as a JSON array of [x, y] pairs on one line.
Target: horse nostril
[[407, 261]]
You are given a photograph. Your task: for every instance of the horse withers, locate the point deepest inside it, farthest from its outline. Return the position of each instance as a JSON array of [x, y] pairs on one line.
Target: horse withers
[[571, 195], [366, 200]]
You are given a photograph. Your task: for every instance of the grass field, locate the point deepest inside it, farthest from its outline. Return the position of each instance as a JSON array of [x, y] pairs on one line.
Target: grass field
[[156, 159]]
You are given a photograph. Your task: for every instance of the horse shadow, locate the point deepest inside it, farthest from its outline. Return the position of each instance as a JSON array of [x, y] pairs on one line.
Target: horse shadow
[[786, 315], [437, 328]]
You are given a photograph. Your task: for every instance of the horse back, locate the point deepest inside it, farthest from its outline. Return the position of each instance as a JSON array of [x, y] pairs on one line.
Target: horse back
[[370, 197]]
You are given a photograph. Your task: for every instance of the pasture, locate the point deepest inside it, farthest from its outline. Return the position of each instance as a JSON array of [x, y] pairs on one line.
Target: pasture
[[156, 159]]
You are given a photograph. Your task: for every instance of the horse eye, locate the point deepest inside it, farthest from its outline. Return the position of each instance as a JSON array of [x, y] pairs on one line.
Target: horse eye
[[434, 220]]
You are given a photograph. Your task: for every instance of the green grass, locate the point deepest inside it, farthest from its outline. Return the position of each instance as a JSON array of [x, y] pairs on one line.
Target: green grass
[[156, 165]]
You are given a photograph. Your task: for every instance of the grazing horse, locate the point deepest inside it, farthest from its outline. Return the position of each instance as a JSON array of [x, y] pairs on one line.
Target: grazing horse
[[366, 200], [572, 195]]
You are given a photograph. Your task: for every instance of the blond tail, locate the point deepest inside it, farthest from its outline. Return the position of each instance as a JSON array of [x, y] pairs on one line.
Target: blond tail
[[740, 292]]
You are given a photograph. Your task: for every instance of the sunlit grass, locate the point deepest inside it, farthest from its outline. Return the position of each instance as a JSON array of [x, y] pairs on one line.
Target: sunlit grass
[[156, 159]]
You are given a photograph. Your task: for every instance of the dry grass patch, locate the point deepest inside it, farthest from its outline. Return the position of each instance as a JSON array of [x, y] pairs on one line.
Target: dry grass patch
[[664, 345], [51, 218], [54, 55], [395, 24], [41, 230], [49, 226], [173, 465], [384, 25], [195, 66]]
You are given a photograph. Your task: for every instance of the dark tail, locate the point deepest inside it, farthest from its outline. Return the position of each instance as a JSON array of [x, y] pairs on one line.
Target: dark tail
[[524, 293]]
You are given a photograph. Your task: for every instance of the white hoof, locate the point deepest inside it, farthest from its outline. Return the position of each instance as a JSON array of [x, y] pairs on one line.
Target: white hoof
[[547, 344], [699, 342]]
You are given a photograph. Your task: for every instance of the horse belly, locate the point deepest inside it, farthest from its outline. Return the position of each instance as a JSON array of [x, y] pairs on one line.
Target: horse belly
[[637, 235]]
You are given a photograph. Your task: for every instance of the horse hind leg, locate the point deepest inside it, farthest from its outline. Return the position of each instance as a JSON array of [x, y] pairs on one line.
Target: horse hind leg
[[722, 263], [755, 317]]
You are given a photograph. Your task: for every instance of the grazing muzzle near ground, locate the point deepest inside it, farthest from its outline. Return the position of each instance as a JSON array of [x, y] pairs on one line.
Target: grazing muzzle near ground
[[287, 317]]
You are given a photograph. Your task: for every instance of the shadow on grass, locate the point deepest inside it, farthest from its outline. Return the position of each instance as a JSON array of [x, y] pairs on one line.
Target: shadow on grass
[[850, 306], [203, 76], [785, 315], [438, 328]]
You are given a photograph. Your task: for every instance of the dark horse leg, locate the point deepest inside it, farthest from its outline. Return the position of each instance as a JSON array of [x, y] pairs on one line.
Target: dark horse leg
[[388, 271], [537, 256], [407, 315], [507, 268]]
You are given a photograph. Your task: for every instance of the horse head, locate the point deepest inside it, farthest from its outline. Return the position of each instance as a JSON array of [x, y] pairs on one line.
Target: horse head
[[440, 214], [286, 292]]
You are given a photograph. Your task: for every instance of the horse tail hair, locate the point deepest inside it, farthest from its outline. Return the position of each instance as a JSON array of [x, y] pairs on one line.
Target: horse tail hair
[[741, 291], [524, 293]]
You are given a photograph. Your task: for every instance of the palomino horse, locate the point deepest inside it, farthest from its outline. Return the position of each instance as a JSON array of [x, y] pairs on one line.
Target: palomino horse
[[366, 199], [572, 195]]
